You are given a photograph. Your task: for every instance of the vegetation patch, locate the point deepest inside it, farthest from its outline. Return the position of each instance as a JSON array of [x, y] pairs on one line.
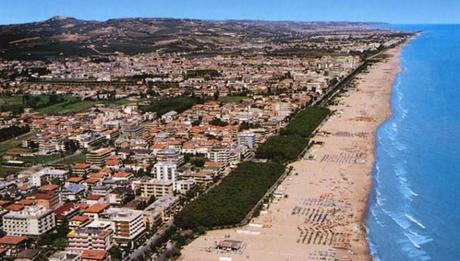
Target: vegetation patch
[[72, 105], [232, 99], [282, 148], [305, 122], [178, 104], [12, 131], [229, 202]]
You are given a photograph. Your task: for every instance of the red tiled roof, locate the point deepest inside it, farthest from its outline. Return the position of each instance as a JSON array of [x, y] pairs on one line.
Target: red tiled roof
[[214, 164], [93, 197], [74, 179], [80, 218], [92, 180], [26, 202], [122, 174], [15, 207], [12, 240], [81, 205], [44, 195], [81, 165], [97, 175], [94, 254], [97, 208], [49, 187], [60, 210]]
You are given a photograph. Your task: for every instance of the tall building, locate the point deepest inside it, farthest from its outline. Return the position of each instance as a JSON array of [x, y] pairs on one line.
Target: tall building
[[31, 221], [246, 138], [165, 171], [128, 224], [168, 160]]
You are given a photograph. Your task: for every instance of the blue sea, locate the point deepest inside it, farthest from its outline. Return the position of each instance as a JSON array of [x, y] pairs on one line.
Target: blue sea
[[414, 208]]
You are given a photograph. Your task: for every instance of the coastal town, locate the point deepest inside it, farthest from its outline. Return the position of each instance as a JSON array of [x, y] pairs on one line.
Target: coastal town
[[125, 156]]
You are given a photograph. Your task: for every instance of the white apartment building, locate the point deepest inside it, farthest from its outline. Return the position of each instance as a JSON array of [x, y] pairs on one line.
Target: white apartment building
[[166, 171], [219, 154], [38, 178], [30, 221]]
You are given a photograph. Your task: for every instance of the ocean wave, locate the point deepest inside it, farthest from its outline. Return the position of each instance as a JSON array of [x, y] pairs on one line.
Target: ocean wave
[[399, 146], [415, 221], [417, 239], [411, 248], [404, 186], [401, 221], [403, 113], [373, 250], [400, 169], [379, 201], [406, 190]]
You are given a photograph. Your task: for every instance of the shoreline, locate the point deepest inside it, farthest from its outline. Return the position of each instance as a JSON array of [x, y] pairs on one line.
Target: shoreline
[[389, 112], [324, 203]]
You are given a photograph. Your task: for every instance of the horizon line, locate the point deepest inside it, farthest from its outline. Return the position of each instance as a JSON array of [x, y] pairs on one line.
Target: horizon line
[[226, 19]]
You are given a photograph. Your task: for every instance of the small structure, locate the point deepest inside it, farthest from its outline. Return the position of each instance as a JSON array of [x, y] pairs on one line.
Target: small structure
[[230, 245], [28, 255]]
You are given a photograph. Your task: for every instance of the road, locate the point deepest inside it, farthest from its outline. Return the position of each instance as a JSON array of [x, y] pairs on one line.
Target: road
[[140, 251], [9, 143], [64, 158]]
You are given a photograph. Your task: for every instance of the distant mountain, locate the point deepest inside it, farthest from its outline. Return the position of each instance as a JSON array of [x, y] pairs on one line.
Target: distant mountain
[[67, 36]]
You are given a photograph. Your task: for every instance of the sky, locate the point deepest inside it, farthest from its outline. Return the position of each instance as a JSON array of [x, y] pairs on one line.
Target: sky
[[389, 11]]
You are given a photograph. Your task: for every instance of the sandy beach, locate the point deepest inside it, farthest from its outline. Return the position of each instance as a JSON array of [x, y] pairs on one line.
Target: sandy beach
[[322, 204]]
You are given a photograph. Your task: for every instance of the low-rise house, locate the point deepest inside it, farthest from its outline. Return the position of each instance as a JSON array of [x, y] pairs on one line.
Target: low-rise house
[[48, 199], [65, 256], [28, 255], [120, 196], [96, 210], [95, 255], [66, 212], [98, 157], [73, 192], [13, 244], [80, 169], [79, 221]]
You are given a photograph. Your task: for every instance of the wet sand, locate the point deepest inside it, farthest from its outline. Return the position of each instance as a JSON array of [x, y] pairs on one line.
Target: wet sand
[[323, 202]]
